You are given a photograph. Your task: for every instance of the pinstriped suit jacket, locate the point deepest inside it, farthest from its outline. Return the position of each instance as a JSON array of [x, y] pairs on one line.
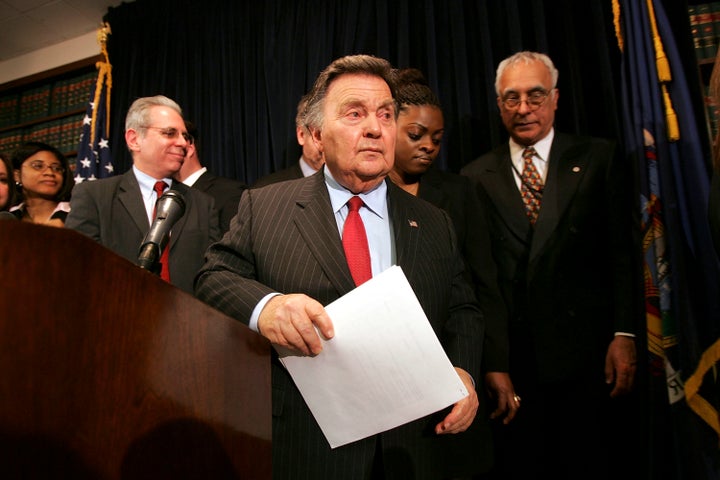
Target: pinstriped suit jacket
[[285, 239]]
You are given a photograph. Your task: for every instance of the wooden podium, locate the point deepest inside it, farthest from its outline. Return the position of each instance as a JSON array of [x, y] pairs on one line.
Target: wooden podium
[[107, 372]]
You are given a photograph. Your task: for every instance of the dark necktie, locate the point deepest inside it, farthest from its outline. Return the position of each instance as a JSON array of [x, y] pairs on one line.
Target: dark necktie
[[165, 257], [355, 243], [531, 186]]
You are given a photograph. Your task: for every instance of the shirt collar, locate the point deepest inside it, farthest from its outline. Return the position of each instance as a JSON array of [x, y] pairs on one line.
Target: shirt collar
[[147, 183], [375, 199], [307, 170], [542, 148], [191, 179], [61, 207]]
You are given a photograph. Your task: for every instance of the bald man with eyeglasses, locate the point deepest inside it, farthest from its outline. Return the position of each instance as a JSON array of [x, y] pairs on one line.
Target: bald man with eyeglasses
[[117, 211], [563, 221]]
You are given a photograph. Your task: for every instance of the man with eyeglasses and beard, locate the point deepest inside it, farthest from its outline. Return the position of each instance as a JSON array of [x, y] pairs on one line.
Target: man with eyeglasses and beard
[[563, 223], [118, 211]]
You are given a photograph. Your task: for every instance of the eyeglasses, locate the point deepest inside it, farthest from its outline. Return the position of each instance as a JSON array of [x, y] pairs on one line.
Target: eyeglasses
[[534, 100], [172, 133], [40, 166]]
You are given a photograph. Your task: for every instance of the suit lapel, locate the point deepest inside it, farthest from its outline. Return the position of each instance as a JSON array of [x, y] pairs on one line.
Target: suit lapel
[[565, 170], [130, 198], [405, 227], [430, 189], [499, 183], [315, 220], [204, 182]]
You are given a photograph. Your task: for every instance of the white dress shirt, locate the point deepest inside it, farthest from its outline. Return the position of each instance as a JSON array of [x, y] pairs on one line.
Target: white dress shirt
[[540, 160]]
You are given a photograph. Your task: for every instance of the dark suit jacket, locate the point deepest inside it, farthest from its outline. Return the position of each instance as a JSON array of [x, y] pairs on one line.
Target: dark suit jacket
[[574, 281], [291, 173], [226, 192], [455, 194], [111, 211], [286, 240]]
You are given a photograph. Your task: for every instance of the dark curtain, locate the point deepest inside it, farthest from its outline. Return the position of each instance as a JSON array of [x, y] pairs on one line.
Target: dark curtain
[[238, 69]]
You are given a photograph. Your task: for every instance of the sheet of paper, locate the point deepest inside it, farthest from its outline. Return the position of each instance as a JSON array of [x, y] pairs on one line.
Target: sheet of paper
[[384, 367]]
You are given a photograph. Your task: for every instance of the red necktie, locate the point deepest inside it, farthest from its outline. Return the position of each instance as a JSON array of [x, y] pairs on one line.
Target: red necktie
[[165, 257], [531, 186], [355, 243]]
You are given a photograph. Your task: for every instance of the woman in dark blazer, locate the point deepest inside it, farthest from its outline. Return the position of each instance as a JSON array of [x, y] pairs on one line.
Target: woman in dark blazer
[[420, 128]]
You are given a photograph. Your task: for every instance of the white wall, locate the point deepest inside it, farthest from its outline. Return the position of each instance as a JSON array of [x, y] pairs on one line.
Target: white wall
[[69, 51]]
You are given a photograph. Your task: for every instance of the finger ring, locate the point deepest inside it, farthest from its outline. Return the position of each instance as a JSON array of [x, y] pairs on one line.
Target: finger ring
[[516, 398]]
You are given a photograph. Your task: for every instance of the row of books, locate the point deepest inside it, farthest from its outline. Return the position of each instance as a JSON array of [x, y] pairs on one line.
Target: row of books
[[705, 27], [46, 100], [72, 94], [64, 134], [713, 114], [9, 110]]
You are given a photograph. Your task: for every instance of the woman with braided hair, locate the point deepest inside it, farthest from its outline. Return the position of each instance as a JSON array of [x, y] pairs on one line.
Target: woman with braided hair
[[420, 128]]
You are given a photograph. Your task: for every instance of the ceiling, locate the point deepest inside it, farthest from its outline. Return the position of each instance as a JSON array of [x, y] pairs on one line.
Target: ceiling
[[28, 25]]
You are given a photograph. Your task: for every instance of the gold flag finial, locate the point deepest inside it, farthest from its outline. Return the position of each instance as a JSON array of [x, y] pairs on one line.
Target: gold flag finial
[[103, 32], [104, 80]]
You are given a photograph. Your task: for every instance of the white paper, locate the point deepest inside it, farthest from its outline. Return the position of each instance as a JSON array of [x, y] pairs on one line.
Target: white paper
[[383, 368]]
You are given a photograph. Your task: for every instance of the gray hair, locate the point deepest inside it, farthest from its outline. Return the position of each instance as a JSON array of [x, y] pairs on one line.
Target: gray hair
[[138, 116], [351, 64], [526, 58], [301, 111]]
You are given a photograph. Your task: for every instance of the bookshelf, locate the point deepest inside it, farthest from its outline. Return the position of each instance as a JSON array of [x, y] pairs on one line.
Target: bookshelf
[[48, 106], [704, 19]]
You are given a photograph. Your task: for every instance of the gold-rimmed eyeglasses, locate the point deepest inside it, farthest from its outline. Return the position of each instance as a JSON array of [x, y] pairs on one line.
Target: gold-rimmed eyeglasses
[[534, 100], [172, 133]]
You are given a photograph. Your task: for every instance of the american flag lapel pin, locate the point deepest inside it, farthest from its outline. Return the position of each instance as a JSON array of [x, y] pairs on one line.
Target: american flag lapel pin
[[413, 223]]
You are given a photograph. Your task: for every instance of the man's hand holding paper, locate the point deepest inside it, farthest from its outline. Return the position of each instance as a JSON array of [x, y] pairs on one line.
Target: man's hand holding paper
[[290, 321], [463, 413], [381, 363]]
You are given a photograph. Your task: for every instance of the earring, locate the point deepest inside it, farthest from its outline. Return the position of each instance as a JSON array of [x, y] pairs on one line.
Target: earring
[[18, 184]]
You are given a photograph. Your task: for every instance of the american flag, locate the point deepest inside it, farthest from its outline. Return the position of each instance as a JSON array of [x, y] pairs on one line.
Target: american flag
[[94, 160]]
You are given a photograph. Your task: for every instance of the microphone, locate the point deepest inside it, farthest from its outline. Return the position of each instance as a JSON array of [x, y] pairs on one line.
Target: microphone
[[168, 210]]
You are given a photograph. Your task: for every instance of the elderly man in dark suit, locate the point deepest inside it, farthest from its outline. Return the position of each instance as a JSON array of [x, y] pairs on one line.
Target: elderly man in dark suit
[[118, 211], [284, 259], [563, 223], [311, 160]]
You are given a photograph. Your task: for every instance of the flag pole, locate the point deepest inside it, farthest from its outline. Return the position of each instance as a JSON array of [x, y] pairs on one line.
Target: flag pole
[[104, 78]]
